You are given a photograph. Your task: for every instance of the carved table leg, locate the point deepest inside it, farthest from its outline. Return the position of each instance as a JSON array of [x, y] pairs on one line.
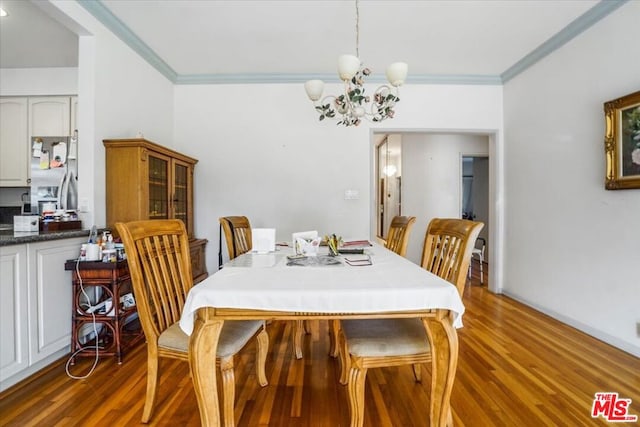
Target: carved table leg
[[203, 345], [297, 338], [444, 349]]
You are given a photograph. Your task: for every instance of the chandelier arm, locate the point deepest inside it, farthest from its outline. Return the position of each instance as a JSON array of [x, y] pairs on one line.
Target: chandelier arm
[[381, 107]]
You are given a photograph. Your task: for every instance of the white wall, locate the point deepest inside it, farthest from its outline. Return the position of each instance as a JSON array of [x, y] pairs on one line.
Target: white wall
[[38, 81], [264, 154], [119, 94], [431, 179], [573, 248]]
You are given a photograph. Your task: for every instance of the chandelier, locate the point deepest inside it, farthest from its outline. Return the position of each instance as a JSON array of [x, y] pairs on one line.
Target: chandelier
[[354, 105]]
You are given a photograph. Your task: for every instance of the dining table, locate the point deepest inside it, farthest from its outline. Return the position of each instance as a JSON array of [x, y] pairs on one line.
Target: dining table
[[275, 286]]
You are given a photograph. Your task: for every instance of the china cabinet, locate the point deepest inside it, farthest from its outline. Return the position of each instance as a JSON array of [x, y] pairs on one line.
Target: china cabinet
[[145, 180]]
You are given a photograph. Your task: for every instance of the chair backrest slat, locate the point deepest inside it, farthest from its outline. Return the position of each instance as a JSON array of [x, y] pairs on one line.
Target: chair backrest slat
[[448, 244]]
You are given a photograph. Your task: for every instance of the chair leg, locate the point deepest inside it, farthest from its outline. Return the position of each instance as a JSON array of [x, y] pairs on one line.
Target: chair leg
[[481, 271], [307, 326], [152, 384], [357, 377], [344, 357], [297, 338], [334, 333], [417, 372], [228, 391], [261, 357]]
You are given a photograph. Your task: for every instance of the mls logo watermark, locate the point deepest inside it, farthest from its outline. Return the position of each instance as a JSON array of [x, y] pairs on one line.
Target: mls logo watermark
[[612, 408]]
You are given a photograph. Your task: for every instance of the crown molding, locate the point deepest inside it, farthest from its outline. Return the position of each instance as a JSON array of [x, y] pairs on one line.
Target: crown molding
[[254, 78], [117, 27], [580, 24]]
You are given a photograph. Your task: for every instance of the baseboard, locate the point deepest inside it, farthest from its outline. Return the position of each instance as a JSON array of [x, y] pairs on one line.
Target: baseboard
[[16, 382], [602, 336]]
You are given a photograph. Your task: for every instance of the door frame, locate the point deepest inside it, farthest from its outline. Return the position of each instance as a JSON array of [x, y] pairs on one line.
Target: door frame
[[496, 191]]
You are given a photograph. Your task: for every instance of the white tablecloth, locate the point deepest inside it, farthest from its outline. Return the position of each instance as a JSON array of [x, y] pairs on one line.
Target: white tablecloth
[[265, 282]]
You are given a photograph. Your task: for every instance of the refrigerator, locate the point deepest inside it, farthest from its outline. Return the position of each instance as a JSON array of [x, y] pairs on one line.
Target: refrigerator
[[54, 174]]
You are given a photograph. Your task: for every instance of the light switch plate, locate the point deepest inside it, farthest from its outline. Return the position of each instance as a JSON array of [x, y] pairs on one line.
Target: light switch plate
[[351, 194]]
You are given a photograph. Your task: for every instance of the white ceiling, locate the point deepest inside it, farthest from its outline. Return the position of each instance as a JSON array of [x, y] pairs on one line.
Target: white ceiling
[[302, 38], [29, 38]]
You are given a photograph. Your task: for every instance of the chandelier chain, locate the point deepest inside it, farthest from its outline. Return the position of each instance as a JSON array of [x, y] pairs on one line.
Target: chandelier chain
[[357, 29]]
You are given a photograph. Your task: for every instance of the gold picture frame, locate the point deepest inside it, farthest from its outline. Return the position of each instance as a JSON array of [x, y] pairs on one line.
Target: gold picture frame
[[622, 142]]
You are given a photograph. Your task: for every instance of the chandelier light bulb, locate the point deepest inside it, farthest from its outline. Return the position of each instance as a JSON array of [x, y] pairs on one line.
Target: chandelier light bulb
[[348, 66], [314, 89], [397, 73]]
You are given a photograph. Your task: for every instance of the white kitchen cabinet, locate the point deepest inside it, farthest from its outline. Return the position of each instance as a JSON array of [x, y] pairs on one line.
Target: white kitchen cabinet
[[74, 114], [14, 347], [21, 119], [15, 170], [50, 296], [50, 116], [36, 301]]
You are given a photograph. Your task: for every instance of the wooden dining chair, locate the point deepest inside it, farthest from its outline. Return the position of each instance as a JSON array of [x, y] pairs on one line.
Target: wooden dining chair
[[398, 235], [237, 233], [379, 343], [397, 241], [159, 263]]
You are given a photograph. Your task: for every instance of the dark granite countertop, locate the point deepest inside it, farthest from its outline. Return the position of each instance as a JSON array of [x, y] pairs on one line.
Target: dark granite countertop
[[9, 237]]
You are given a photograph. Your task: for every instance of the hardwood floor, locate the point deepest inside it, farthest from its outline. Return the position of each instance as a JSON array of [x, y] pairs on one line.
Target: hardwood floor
[[517, 367]]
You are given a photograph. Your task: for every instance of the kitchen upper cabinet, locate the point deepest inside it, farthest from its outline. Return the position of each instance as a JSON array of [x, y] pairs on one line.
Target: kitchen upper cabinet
[[14, 143], [22, 118], [50, 116], [74, 115]]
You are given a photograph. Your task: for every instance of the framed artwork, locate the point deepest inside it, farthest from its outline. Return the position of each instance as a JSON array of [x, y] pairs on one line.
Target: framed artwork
[[622, 142]]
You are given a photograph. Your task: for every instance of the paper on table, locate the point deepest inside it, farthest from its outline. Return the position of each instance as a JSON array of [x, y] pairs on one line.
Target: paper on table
[[263, 240]]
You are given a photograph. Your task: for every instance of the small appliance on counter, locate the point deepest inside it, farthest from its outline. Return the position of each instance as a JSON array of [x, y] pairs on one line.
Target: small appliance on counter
[[26, 223]]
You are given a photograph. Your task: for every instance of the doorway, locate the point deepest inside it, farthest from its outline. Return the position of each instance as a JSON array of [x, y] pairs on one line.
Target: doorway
[[475, 205], [475, 190], [431, 184]]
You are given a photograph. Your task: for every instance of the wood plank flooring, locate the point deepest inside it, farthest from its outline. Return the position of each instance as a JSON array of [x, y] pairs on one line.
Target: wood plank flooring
[[517, 367]]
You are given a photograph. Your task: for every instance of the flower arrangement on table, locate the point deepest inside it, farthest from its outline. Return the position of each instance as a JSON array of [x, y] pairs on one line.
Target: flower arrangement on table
[[333, 242]]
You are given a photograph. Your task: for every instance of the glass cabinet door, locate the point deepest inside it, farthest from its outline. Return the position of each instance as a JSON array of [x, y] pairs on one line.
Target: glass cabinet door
[[158, 188], [180, 193]]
